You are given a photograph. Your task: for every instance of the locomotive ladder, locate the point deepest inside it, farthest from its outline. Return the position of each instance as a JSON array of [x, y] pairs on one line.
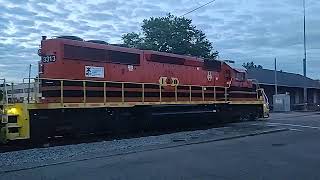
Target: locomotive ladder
[[3, 105], [3, 99]]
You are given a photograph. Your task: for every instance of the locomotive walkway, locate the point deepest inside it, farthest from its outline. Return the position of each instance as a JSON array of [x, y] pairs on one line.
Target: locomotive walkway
[[290, 154]]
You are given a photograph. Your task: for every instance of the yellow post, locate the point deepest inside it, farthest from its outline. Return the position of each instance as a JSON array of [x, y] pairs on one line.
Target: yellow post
[[190, 93], [143, 93], [61, 93], [104, 93], [176, 93], [202, 93], [214, 94], [160, 95], [122, 92], [225, 94], [84, 93], [35, 91]]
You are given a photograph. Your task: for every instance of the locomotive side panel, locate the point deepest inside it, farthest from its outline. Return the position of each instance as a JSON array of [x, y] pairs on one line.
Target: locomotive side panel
[[78, 60], [72, 57]]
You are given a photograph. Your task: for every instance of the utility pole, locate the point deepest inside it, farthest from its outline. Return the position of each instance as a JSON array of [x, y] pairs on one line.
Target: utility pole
[[305, 90], [304, 40], [275, 77], [29, 81]]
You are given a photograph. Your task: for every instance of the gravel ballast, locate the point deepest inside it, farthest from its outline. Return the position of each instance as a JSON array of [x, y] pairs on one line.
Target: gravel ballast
[[40, 156]]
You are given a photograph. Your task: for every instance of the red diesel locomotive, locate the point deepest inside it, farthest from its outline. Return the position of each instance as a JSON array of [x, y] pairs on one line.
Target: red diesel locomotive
[[90, 87], [79, 60], [132, 65]]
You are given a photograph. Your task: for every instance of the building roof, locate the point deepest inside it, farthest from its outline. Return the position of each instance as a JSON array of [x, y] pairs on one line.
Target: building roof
[[266, 76]]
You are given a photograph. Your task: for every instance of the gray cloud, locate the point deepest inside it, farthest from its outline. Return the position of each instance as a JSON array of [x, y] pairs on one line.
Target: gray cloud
[[109, 5], [18, 11], [42, 18], [18, 22], [101, 16]]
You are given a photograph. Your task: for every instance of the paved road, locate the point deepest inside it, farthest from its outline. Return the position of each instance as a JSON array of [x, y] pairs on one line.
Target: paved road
[[293, 154]]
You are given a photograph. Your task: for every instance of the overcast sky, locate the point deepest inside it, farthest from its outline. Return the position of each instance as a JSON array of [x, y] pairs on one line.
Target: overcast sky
[[241, 30]]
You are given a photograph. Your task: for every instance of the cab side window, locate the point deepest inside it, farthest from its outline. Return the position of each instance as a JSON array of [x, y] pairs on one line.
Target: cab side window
[[227, 75], [241, 76]]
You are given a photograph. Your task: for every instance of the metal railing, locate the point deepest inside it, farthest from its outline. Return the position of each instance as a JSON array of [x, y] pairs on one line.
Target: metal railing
[[191, 93], [18, 92], [190, 89], [4, 92]]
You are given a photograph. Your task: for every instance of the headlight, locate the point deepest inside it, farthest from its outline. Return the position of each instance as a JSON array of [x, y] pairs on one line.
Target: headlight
[[12, 111]]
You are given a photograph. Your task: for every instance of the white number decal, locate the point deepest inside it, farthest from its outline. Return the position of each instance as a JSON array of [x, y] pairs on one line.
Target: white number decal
[[48, 59]]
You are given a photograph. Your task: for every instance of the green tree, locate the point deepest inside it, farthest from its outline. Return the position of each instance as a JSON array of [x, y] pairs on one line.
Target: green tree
[[133, 40], [250, 65], [173, 35]]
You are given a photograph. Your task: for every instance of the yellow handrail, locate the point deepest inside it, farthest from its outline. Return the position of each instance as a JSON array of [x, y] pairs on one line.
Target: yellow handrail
[[122, 92], [142, 93], [204, 90], [84, 93], [190, 93]]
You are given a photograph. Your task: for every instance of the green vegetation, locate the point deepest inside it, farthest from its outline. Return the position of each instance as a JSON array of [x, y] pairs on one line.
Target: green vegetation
[[250, 65], [173, 35]]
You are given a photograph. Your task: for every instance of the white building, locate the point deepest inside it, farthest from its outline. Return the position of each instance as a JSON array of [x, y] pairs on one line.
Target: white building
[[20, 92]]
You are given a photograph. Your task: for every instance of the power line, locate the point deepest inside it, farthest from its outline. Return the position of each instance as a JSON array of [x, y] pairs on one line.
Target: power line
[[198, 8]]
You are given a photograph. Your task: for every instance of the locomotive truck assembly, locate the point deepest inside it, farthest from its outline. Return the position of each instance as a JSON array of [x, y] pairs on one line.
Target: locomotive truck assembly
[[90, 87]]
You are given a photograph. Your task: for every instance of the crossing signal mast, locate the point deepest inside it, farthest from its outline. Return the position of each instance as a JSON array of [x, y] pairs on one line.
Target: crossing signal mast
[[305, 91], [304, 40]]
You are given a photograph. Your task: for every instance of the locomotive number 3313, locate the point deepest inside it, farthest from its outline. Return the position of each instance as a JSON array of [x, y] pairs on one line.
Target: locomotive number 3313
[[48, 58]]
